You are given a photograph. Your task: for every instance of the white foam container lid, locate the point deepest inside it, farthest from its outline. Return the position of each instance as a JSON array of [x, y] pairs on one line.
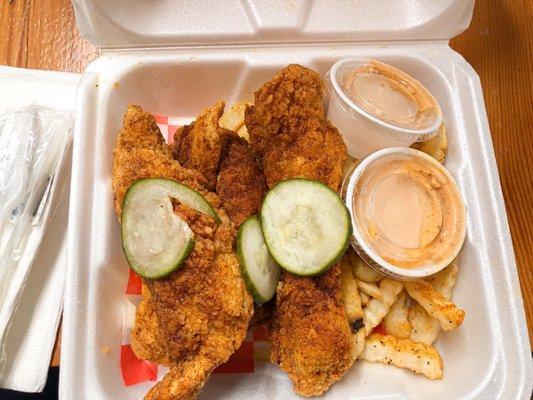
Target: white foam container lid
[[174, 58]]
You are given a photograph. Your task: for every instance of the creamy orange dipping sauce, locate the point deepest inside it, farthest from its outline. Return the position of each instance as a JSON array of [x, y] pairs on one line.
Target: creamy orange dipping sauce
[[409, 211], [391, 96]]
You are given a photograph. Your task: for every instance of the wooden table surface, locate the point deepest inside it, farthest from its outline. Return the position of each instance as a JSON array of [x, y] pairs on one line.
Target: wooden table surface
[[42, 34]]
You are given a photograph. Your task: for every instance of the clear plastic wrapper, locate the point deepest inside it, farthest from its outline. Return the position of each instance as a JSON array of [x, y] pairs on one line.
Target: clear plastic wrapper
[[32, 140]]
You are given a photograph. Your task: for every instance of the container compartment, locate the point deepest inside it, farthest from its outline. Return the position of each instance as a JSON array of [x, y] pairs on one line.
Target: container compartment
[[483, 358]]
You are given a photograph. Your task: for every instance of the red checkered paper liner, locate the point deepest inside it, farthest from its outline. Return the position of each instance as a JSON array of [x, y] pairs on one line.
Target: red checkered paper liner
[[255, 346]]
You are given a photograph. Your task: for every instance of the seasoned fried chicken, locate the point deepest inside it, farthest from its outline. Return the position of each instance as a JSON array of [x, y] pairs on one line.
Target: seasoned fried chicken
[[147, 341], [241, 183], [194, 319], [288, 129], [141, 152], [199, 144], [311, 337]]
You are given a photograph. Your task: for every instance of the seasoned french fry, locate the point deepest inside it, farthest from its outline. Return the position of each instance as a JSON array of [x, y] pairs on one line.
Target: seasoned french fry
[[446, 312], [437, 146], [396, 321], [364, 298], [444, 281], [349, 165], [233, 117], [352, 302], [419, 358], [370, 289], [376, 308], [349, 293], [243, 132], [425, 328], [359, 343], [360, 269]]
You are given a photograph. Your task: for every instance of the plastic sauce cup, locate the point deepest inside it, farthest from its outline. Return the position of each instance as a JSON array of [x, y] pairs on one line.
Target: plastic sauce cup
[[365, 132], [408, 216]]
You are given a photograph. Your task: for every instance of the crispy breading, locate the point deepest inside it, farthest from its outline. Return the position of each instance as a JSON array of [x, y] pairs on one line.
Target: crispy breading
[[199, 144], [146, 337], [241, 184], [141, 152], [287, 127], [404, 353], [202, 310], [311, 336], [184, 381], [436, 305]]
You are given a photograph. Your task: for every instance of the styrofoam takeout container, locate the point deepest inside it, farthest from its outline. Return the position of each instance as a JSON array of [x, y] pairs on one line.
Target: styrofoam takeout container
[[174, 58]]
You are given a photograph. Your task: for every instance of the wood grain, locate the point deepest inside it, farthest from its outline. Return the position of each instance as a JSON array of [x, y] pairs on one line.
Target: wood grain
[[42, 34], [499, 45]]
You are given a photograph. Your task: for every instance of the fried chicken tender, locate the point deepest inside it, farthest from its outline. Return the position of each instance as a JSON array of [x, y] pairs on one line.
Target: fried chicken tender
[[287, 127], [241, 186], [194, 319], [241, 183], [141, 152], [147, 341], [199, 144], [311, 337]]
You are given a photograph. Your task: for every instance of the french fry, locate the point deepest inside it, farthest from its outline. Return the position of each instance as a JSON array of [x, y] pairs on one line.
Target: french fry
[[352, 302], [396, 321], [370, 289], [376, 308], [444, 281], [349, 165], [349, 293], [436, 305], [425, 328], [243, 132], [361, 270], [437, 146], [419, 358], [233, 117], [364, 298], [359, 343]]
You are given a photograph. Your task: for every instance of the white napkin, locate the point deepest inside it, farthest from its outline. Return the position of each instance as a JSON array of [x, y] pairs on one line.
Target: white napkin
[[30, 339]]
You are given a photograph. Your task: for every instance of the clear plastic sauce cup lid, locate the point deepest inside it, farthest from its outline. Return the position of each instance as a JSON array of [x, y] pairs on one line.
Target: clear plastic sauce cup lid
[[387, 96], [406, 209]]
